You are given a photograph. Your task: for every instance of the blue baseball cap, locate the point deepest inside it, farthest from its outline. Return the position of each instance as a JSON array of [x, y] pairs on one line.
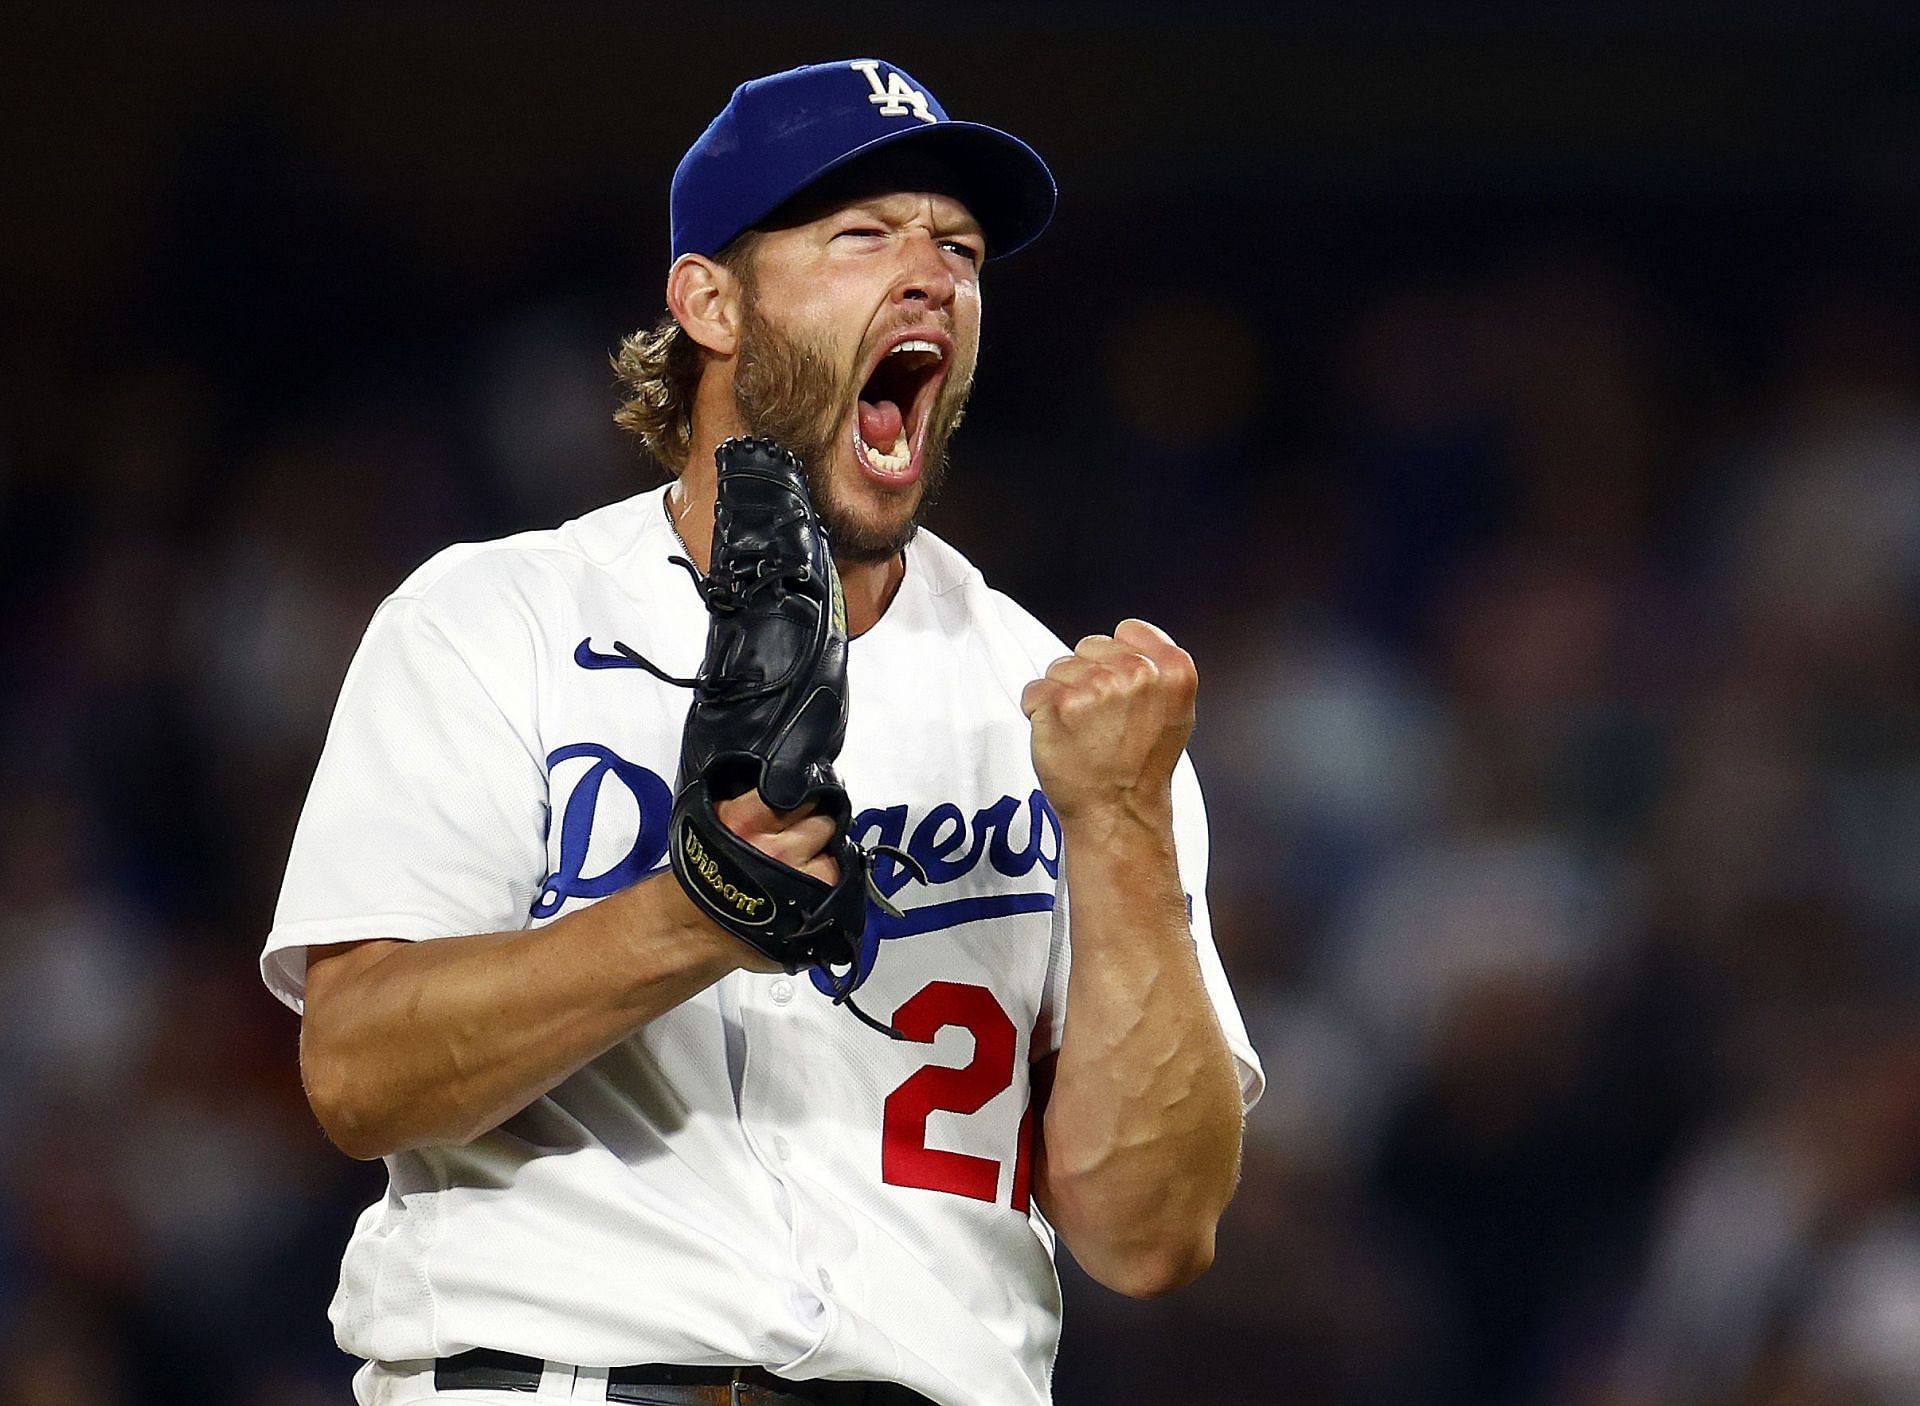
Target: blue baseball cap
[[779, 135]]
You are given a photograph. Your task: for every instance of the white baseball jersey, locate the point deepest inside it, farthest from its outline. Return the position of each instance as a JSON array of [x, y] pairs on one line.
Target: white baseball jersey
[[755, 1176]]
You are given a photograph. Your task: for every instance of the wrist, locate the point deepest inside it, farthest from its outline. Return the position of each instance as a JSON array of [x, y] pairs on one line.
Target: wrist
[[666, 929], [1130, 819]]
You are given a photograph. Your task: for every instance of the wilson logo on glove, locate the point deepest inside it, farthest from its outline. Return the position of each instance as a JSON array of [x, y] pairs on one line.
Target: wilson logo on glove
[[730, 897]]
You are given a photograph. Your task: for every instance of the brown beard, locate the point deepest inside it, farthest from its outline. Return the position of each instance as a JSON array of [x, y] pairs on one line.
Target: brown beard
[[789, 389]]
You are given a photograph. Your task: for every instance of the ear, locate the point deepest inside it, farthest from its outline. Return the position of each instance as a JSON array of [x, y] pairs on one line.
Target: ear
[[705, 300]]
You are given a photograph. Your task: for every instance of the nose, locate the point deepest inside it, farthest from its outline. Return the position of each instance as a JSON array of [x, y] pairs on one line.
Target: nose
[[925, 278]]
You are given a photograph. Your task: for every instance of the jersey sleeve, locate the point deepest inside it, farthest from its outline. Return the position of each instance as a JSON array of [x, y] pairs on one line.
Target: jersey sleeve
[[427, 814], [1190, 847]]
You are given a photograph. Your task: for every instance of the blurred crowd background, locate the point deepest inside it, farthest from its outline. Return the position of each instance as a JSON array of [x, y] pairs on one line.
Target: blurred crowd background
[[1517, 415]]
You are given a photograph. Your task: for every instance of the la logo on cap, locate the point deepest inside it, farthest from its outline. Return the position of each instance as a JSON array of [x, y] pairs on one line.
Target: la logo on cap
[[895, 97]]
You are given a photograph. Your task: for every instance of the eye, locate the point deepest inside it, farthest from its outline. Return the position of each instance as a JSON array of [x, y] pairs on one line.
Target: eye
[[963, 249], [862, 232]]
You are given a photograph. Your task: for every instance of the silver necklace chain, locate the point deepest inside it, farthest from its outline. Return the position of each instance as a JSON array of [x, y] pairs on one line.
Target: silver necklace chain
[[666, 504]]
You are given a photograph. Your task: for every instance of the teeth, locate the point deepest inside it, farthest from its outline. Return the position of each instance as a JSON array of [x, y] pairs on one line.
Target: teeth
[[918, 346], [890, 460]]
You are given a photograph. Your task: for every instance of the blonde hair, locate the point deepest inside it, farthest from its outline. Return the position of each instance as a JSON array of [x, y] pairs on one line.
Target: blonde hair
[[660, 368]]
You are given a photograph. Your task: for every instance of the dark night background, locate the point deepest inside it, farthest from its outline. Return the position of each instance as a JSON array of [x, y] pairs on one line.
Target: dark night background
[[1516, 409]]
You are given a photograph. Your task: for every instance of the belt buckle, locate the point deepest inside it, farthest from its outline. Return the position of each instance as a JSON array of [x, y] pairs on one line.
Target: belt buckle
[[733, 1387]]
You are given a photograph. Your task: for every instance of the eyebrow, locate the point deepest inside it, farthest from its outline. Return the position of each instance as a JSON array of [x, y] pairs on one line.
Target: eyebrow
[[875, 205]]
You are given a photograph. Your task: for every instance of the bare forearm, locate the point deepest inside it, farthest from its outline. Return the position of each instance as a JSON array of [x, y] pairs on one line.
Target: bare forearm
[[1141, 1136], [407, 1044]]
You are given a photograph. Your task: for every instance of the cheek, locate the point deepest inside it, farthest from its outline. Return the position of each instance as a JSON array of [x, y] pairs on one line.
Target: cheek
[[966, 319], [966, 336], [821, 300]]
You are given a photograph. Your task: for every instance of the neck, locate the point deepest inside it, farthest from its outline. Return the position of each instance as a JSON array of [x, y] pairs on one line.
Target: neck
[[869, 586]]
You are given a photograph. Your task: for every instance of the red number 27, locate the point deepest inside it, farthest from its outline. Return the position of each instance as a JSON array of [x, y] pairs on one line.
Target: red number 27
[[905, 1158]]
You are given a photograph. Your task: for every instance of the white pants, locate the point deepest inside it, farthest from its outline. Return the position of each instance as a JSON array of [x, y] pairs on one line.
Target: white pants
[[394, 1383]]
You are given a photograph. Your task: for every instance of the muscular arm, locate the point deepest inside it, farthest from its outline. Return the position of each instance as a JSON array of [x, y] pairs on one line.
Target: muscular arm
[[408, 1044], [1140, 1138]]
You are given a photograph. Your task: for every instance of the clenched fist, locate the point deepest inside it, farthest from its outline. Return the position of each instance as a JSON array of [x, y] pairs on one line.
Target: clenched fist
[[1109, 722]]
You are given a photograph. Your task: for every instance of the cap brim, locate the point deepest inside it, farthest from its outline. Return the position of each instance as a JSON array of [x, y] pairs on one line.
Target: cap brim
[[1001, 179]]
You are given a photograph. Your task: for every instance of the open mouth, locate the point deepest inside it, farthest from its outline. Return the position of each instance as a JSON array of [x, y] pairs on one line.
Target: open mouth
[[896, 403]]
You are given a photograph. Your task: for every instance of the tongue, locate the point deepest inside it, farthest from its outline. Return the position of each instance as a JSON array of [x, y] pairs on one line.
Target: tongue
[[880, 424]]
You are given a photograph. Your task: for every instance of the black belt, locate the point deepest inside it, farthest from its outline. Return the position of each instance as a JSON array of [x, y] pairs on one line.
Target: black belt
[[662, 1384]]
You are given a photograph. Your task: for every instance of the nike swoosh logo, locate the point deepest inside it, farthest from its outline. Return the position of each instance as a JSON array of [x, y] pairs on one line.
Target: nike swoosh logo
[[587, 657]]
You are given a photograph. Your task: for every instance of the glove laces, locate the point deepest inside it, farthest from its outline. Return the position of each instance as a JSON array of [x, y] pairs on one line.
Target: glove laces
[[845, 983], [727, 597]]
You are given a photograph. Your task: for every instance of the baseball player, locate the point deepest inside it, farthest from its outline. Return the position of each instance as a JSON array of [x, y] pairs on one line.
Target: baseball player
[[631, 1157]]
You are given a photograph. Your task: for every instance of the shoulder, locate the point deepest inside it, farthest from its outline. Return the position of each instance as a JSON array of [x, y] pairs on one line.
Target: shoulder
[[478, 584], [506, 609], [958, 585], [597, 542]]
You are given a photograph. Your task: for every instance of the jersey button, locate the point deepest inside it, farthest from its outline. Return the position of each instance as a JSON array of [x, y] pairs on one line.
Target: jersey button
[[826, 1281], [781, 1147], [782, 991]]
